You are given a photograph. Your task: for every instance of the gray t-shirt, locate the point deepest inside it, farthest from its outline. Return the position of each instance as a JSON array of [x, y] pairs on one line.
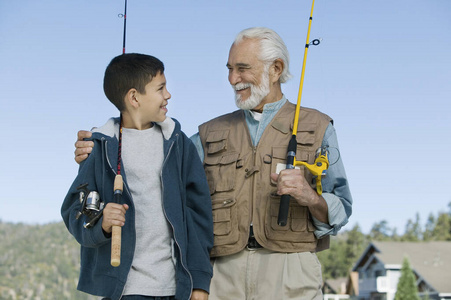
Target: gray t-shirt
[[153, 268]]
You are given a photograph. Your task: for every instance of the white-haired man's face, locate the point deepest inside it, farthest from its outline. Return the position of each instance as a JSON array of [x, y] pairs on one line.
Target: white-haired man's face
[[248, 75]]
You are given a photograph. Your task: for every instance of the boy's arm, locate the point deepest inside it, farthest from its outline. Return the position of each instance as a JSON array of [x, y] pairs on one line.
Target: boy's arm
[[199, 220], [88, 237]]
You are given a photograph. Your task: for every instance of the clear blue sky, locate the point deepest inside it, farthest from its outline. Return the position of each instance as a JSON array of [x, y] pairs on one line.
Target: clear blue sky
[[382, 71]]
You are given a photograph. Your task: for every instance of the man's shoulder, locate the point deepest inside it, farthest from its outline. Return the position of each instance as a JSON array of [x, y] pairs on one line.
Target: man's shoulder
[[316, 113], [224, 118]]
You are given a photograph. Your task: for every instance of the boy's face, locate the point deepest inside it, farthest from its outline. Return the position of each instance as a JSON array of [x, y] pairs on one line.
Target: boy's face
[[154, 101]]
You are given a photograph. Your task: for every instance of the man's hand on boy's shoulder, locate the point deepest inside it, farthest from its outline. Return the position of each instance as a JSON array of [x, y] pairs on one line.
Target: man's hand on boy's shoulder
[[199, 295], [83, 148]]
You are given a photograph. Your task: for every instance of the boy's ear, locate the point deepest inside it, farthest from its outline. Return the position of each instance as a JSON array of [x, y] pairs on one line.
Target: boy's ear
[[131, 98]]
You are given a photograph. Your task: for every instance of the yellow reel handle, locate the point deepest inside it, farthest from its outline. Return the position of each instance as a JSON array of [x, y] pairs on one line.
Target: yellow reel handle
[[318, 169]]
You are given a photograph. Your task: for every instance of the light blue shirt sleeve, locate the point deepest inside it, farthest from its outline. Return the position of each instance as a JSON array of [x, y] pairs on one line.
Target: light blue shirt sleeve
[[195, 138], [336, 190]]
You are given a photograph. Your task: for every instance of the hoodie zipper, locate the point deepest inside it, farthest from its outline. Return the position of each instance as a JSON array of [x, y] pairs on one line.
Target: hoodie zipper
[[165, 214]]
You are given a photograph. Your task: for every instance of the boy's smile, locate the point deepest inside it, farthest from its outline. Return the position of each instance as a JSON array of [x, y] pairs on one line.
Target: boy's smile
[[153, 103]]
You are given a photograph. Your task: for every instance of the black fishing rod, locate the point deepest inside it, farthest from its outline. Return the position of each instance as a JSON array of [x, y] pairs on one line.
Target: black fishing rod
[[124, 15]]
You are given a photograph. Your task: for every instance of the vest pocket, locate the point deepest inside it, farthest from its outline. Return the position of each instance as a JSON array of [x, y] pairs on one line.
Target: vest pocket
[[279, 155], [299, 227], [305, 135], [225, 221], [221, 172]]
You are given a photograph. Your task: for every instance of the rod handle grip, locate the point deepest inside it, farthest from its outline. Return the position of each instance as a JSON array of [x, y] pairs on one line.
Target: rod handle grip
[[116, 240], [283, 210], [116, 235], [285, 199]]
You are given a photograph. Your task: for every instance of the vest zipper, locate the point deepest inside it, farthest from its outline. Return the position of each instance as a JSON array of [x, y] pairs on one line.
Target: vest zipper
[[251, 202]]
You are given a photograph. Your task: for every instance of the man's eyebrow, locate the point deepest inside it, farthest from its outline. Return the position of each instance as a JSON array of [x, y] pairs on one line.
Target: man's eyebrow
[[239, 65]]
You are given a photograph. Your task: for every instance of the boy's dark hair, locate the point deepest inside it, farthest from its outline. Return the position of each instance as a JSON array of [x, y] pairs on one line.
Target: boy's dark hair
[[127, 71]]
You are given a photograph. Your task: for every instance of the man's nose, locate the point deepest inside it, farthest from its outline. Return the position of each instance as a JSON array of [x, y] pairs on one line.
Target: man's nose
[[234, 77]]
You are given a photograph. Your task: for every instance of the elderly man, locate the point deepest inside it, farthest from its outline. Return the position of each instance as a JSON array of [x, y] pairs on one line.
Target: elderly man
[[253, 257]]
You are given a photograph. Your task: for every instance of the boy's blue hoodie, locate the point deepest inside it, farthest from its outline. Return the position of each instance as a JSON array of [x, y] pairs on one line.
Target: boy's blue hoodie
[[186, 204]]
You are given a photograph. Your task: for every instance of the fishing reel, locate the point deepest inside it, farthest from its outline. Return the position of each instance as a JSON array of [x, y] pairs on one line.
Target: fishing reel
[[91, 206], [318, 168]]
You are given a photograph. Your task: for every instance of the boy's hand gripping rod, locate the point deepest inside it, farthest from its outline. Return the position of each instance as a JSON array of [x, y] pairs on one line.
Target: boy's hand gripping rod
[[319, 167]]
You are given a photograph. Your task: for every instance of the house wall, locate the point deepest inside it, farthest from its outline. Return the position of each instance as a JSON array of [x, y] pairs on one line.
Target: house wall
[[375, 282], [387, 284], [368, 279]]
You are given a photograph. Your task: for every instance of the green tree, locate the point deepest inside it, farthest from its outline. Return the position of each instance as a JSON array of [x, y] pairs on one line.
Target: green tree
[[413, 230], [381, 231], [406, 289], [333, 261], [442, 228], [344, 251], [429, 228], [395, 236], [355, 245]]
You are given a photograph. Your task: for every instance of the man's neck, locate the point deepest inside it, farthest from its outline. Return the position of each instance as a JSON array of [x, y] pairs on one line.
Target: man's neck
[[265, 101], [274, 95]]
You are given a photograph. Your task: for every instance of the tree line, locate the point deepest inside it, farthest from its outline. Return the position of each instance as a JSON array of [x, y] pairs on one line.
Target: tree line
[[42, 261]]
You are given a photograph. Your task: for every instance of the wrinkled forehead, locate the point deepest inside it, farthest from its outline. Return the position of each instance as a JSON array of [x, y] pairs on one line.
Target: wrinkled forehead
[[246, 51]]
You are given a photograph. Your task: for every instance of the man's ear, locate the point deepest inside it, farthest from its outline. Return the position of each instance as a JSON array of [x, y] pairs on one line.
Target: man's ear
[[276, 70], [132, 98]]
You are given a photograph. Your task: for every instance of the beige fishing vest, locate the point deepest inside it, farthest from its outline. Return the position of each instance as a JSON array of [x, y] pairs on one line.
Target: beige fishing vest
[[240, 185]]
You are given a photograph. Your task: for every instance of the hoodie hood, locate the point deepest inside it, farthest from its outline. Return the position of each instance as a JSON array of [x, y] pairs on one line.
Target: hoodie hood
[[111, 128]]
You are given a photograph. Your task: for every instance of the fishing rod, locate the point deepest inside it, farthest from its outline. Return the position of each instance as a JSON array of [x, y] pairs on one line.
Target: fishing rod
[[124, 15], [319, 167], [116, 235]]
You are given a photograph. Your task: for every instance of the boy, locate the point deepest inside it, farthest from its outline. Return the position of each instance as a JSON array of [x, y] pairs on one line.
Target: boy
[[165, 210]]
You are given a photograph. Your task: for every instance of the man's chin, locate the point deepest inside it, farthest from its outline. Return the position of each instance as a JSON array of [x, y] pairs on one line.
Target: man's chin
[[246, 104]]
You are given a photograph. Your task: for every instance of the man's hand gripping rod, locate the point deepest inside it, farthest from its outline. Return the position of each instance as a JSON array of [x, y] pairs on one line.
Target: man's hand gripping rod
[[319, 167]]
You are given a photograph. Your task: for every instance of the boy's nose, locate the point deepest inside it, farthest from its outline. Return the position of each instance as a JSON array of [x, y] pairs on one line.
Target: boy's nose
[[168, 95]]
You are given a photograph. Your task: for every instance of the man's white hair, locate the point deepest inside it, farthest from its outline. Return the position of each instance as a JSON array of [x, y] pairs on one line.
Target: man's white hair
[[272, 47]]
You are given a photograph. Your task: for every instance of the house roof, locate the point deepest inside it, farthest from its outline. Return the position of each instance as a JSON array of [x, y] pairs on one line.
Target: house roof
[[430, 260]]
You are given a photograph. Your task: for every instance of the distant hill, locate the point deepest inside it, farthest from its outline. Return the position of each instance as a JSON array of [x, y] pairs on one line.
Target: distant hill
[[38, 262]]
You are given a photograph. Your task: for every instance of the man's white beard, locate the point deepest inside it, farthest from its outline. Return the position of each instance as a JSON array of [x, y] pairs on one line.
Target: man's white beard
[[258, 93]]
